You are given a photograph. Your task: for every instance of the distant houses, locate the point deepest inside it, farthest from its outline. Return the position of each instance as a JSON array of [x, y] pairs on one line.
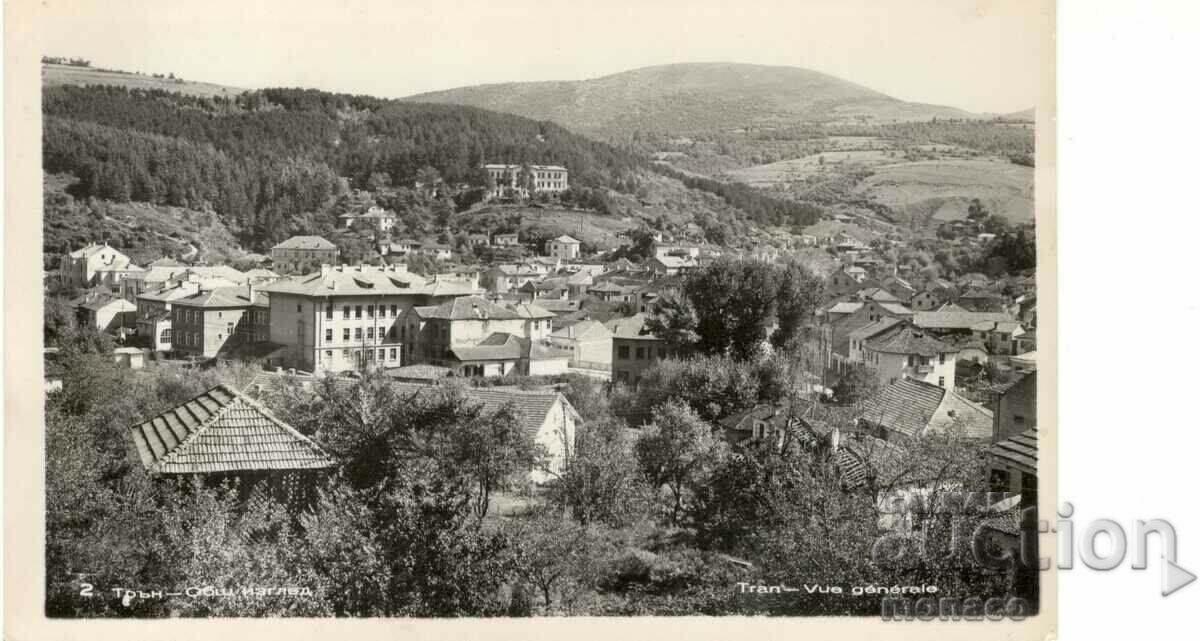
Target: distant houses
[[544, 179], [302, 253]]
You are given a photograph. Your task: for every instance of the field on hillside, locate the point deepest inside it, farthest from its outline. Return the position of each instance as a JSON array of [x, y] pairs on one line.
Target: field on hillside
[[56, 75], [942, 189]]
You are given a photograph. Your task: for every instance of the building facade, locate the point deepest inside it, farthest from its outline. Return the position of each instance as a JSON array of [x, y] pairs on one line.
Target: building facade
[[301, 254], [546, 179], [204, 323]]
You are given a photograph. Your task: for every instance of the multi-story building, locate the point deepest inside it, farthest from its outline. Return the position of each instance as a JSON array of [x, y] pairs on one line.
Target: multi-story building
[[902, 350], [301, 254], [564, 248], [634, 348], [351, 317], [546, 179], [462, 322], [204, 323], [95, 265], [154, 314]]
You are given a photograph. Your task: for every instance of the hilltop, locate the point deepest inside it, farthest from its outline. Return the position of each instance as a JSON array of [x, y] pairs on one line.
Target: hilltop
[[693, 98], [54, 75]]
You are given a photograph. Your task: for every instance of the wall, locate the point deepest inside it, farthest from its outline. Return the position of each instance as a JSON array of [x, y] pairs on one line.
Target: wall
[[557, 435], [629, 370], [317, 341], [1016, 410]]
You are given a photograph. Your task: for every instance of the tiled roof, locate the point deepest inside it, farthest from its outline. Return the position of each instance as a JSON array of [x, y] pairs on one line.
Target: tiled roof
[[1020, 451], [907, 339], [533, 406], [871, 329], [566, 239], [219, 431], [846, 307], [221, 297], [582, 330], [471, 308], [897, 309], [945, 319], [906, 406], [305, 242], [421, 371], [351, 281], [861, 457], [530, 310], [630, 327]]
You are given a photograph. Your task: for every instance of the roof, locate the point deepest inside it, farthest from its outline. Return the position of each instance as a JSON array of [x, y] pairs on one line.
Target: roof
[[350, 281], [305, 242], [846, 307], [566, 239], [504, 346], [630, 327], [222, 430], [944, 319], [104, 300], [420, 371], [1019, 451], [582, 330], [862, 457], [871, 329], [532, 406], [907, 339], [915, 408], [221, 297], [471, 308], [531, 310]]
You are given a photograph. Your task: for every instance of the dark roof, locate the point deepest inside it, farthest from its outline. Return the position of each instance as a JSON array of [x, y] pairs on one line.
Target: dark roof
[[222, 297], [906, 339], [420, 371], [222, 430], [946, 319], [1020, 451], [861, 457]]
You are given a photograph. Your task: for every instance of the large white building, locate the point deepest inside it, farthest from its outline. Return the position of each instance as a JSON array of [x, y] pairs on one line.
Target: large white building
[[546, 179]]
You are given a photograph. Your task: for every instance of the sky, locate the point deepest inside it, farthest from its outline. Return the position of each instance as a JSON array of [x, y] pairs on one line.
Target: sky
[[978, 55]]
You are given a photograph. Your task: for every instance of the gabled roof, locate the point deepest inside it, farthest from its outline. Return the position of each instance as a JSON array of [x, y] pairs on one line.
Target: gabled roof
[[871, 329], [583, 330], [566, 239], [915, 408], [223, 430], [350, 281], [1020, 451], [630, 327], [305, 242], [531, 311], [861, 458], [221, 297]]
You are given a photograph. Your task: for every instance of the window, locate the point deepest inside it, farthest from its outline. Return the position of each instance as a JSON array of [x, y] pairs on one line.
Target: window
[[1018, 419], [371, 333], [165, 337], [941, 359], [357, 333], [328, 354], [393, 311], [346, 311], [219, 314], [941, 381], [623, 353], [345, 353], [329, 312], [392, 354], [641, 353], [370, 311], [345, 333], [328, 335], [381, 354], [298, 308], [358, 311]]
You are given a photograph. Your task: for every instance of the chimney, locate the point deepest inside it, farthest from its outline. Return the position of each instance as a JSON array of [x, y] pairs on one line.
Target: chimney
[[250, 291]]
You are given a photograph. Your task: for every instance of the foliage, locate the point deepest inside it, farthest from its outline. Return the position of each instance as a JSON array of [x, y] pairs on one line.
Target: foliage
[[855, 386], [677, 450], [601, 482]]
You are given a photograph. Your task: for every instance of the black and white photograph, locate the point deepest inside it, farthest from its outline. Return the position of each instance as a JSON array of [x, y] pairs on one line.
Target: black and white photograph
[[524, 310]]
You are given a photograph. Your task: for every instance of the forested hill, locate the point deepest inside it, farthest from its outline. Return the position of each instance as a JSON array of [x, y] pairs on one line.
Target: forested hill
[[260, 158], [271, 163]]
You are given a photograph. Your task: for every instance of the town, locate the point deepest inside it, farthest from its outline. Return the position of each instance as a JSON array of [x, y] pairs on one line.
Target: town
[[689, 366]]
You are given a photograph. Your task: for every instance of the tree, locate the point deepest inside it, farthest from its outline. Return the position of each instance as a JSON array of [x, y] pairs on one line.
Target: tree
[[553, 553], [856, 386], [677, 450], [601, 481], [675, 321], [799, 291], [976, 210]]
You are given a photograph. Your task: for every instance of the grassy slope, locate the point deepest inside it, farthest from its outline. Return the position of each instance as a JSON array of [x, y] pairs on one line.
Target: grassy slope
[[55, 75], [942, 189], [142, 231]]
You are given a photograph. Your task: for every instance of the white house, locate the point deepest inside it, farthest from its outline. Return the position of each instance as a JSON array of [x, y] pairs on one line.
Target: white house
[[564, 248]]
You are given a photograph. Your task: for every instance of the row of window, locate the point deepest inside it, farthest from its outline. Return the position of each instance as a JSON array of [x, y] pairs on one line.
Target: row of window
[[358, 334], [383, 354], [640, 353], [358, 311]]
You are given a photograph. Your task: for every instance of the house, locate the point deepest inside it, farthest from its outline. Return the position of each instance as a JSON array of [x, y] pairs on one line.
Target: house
[[302, 254], [589, 343], [671, 265], [433, 331], [1000, 337], [911, 408], [506, 240], [756, 424], [223, 435], [375, 218], [564, 248], [502, 278], [544, 414], [203, 323], [845, 280], [349, 317], [1013, 465], [634, 348], [537, 320], [924, 301], [502, 353], [546, 179], [610, 292], [94, 265], [900, 288], [153, 278], [129, 357], [154, 314], [1014, 409], [947, 320], [904, 351], [104, 311]]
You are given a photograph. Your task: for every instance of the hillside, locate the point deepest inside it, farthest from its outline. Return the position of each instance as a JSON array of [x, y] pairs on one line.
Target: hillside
[[692, 98], [941, 190], [68, 75]]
